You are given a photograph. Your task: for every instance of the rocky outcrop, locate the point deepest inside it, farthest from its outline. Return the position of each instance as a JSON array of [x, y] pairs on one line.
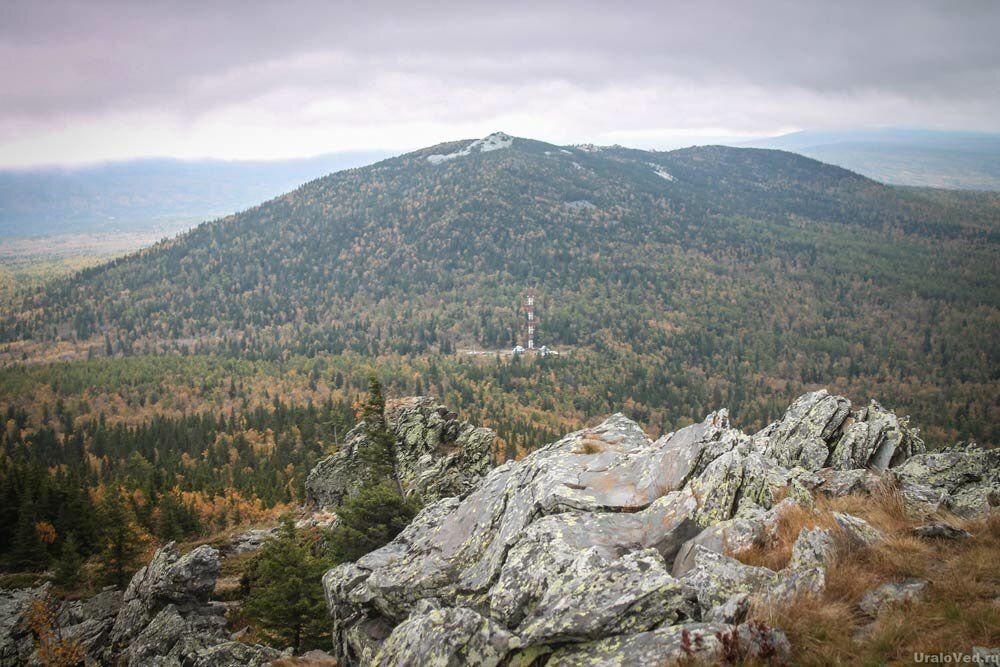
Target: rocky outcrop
[[84, 622], [941, 530], [821, 431], [164, 618], [606, 546], [437, 456], [16, 642], [963, 480]]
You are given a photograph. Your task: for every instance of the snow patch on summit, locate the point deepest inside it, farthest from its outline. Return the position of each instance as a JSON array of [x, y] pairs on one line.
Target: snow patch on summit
[[661, 172], [493, 142]]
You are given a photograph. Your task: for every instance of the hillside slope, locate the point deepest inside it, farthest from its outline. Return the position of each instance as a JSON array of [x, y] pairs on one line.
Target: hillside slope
[[729, 269]]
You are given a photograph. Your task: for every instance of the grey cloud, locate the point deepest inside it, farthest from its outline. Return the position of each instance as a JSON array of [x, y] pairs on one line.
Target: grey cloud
[[77, 59]]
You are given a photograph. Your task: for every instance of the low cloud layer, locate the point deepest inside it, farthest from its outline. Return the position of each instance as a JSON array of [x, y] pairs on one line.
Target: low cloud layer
[[107, 80]]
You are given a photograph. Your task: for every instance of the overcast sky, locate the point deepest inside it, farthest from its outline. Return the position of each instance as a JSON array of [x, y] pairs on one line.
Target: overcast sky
[[91, 80]]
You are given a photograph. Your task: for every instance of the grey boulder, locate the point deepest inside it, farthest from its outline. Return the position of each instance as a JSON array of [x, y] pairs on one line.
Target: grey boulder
[[451, 637], [876, 600]]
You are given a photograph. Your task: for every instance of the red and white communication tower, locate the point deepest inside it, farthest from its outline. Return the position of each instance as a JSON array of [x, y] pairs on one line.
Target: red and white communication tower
[[531, 320]]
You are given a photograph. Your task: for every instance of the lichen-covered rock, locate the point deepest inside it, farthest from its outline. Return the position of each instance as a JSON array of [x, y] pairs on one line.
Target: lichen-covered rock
[[714, 578], [158, 638], [726, 537], [941, 531], [738, 478], [165, 616], [793, 582], [966, 480], [919, 499], [699, 643], [803, 435], [606, 488], [857, 530], [229, 654], [185, 582], [812, 548], [733, 610], [875, 438], [892, 593], [252, 540], [437, 456], [551, 544], [451, 637], [631, 594], [563, 557], [838, 483], [16, 642], [90, 622]]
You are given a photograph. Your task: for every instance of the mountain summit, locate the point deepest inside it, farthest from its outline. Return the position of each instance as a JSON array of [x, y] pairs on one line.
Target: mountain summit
[[685, 263]]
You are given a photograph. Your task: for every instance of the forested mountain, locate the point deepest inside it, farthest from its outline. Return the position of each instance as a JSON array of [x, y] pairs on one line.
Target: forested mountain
[[191, 386], [669, 276]]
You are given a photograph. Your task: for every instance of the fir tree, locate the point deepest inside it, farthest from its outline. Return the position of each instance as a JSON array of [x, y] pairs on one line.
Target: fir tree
[[378, 451]]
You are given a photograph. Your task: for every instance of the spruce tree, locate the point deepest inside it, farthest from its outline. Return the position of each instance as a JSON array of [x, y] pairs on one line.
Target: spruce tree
[[29, 552], [286, 595], [378, 452], [369, 520], [69, 563], [120, 539]]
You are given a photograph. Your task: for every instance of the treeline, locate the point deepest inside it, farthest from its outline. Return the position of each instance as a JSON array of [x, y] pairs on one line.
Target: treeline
[[165, 479]]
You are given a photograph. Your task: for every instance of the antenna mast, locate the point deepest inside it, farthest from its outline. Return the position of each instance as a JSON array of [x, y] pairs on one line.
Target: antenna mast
[[530, 321]]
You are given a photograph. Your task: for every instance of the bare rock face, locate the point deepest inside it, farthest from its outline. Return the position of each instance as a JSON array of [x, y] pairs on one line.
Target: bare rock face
[[16, 642], [812, 548], [574, 543], [874, 438], [820, 431], [804, 434], [452, 636], [607, 547], [166, 617], [964, 480], [696, 643], [437, 455]]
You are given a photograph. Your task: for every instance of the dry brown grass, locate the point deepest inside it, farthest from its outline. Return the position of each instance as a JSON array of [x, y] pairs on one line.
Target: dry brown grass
[[590, 446], [959, 609], [304, 662], [775, 553]]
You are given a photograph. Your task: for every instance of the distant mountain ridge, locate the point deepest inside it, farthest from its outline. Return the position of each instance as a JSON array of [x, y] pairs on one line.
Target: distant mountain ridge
[[928, 158], [154, 193]]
